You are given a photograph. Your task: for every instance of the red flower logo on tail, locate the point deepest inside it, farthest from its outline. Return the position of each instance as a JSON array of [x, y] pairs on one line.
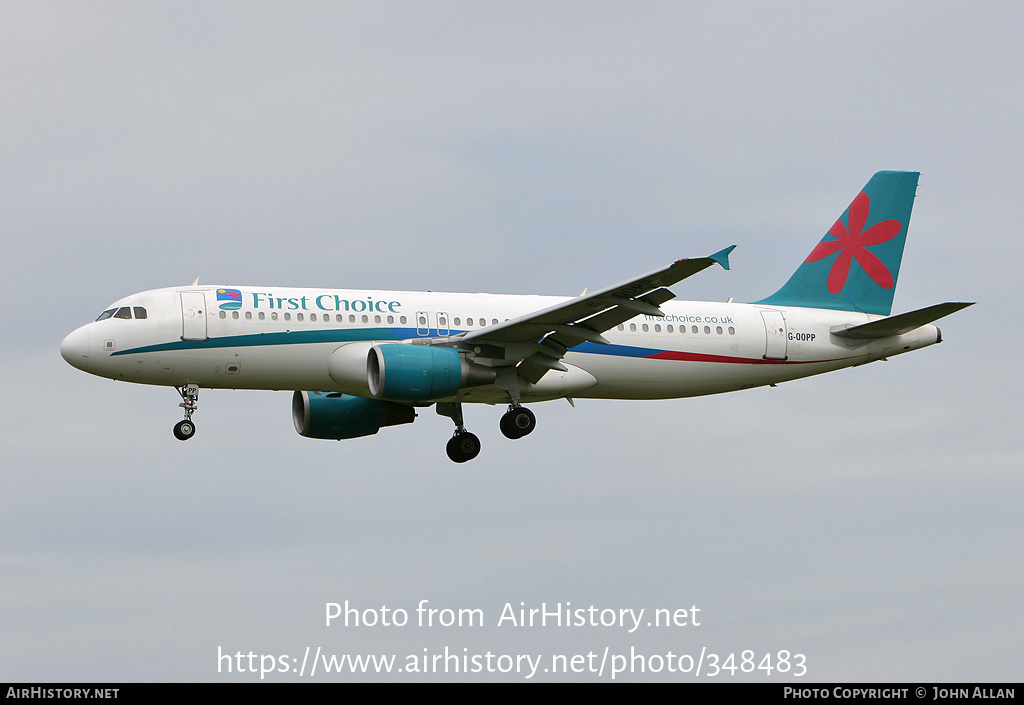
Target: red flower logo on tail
[[851, 244]]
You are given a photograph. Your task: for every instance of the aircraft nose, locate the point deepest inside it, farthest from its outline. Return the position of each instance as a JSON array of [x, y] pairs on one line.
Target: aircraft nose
[[75, 348]]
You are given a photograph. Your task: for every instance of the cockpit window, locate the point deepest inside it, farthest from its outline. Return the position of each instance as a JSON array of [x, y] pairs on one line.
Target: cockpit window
[[123, 312]]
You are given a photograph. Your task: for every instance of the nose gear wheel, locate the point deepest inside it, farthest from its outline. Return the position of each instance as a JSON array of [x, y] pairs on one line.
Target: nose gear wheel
[[185, 429]]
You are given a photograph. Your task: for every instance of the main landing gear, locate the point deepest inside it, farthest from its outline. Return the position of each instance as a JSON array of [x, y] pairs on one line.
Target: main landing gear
[[517, 422], [463, 445], [185, 429]]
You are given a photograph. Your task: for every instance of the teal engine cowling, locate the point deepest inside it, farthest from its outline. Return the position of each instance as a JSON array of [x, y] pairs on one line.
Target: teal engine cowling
[[337, 416], [404, 372]]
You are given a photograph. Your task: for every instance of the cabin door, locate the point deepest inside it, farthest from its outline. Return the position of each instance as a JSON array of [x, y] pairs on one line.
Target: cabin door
[[775, 332], [193, 316]]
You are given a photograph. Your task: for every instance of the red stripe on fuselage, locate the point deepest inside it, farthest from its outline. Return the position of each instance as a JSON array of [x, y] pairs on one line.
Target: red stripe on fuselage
[[701, 357]]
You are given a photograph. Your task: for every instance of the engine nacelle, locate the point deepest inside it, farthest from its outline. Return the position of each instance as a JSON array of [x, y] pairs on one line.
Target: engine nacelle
[[404, 372], [336, 416], [347, 367]]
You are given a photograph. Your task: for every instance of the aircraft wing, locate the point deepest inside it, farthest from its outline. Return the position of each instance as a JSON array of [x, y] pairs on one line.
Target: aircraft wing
[[537, 341]]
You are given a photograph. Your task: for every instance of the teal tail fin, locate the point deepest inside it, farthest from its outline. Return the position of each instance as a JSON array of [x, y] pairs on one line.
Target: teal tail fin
[[856, 264]]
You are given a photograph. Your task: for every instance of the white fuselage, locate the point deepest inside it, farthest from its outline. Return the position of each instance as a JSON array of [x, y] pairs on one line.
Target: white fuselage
[[293, 339]]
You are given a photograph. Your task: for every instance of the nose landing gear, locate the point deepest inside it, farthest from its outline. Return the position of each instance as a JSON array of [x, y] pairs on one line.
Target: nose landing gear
[[185, 429]]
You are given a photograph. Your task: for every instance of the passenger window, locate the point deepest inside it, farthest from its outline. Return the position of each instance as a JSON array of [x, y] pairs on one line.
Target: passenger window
[[139, 312], [123, 312]]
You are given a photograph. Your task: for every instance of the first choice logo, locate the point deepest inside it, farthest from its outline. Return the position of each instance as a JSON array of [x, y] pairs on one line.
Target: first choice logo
[[324, 302], [232, 299]]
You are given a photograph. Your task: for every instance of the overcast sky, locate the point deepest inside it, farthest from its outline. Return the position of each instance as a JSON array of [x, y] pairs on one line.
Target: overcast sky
[[868, 519]]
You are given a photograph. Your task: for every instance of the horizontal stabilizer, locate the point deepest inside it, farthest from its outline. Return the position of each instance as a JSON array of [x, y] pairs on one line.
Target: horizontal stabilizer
[[903, 323]]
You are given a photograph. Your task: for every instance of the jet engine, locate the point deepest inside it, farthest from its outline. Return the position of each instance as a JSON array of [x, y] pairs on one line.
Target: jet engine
[[403, 372], [336, 416]]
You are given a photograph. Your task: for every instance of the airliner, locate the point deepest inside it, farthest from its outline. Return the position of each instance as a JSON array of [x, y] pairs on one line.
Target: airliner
[[360, 360]]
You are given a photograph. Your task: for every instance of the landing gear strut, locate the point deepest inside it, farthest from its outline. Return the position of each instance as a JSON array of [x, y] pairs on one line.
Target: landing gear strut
[[463, 445], [185, 429], [517, 422]]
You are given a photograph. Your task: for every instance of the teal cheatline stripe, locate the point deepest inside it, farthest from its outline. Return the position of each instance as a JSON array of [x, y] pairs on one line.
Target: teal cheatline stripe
[[296, 337], [346, 336], [857, 263]]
